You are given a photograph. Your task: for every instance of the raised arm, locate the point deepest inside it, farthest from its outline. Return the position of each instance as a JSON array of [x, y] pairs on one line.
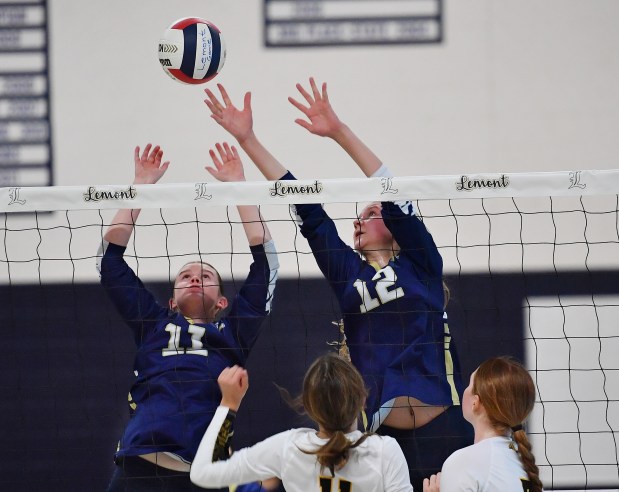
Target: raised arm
[[148, 170], [239, 123], [324, 122], [260, 462], [227, 166], [215, 445], [233, 383]]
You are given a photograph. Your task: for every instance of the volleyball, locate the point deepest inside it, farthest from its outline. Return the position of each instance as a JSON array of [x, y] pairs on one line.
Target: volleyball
[[192, 50]]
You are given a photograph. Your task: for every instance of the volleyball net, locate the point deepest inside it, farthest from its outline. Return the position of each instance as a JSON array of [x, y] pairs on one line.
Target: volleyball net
[[532, 260]]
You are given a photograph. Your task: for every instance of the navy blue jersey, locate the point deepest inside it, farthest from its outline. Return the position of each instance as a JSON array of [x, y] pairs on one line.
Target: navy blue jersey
[[394, 320], [175, 393]]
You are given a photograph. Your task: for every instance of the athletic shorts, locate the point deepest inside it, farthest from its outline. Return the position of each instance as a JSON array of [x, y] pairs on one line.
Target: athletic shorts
[[134, 474], [427, 447]]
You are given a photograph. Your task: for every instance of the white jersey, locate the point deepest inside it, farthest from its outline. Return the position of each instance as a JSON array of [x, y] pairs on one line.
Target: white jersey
[[376, 465], [490, 465]]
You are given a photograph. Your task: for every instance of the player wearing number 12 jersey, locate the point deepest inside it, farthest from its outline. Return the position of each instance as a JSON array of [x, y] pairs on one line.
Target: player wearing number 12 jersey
[[181, 348], [389, 288], [393, 314]]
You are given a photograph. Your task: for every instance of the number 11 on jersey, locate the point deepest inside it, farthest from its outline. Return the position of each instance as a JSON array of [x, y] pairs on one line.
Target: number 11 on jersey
[[174, 348], [342, 485]]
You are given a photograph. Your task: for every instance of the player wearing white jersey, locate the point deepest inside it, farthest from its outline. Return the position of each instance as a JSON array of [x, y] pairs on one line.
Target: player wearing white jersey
[[491, 464], [334, 457], [500, 396]]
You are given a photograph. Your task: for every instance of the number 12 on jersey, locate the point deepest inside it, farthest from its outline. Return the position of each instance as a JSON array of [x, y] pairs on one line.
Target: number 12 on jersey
[[385, 280]]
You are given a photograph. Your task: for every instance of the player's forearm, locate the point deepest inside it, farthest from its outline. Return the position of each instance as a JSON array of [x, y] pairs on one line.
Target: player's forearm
[[367, 161], [268, 165], [122, 225], [254, 225], [212, 448]]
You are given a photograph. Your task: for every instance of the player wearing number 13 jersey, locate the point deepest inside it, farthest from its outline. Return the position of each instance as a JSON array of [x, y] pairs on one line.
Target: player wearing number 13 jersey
[[183, 347]]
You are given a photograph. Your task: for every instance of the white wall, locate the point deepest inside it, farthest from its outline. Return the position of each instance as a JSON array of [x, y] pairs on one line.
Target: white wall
[[515, 86]]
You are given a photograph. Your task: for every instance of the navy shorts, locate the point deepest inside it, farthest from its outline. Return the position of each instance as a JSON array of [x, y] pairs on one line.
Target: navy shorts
[[427, 447], [134, 474]]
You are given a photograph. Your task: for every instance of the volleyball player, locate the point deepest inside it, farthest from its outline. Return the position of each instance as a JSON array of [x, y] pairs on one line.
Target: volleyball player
[[390, 291], [336, 457], [181, 347], [497, 401]]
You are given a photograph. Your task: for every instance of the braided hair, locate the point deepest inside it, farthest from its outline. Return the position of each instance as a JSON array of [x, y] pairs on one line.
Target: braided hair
[[506, 390]]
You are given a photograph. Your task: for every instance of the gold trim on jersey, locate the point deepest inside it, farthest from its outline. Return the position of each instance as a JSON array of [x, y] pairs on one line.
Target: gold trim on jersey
[[449, 365]]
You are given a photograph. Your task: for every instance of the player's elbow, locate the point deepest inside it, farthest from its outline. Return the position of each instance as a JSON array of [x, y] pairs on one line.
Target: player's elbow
[[206, 475], [199, 476]]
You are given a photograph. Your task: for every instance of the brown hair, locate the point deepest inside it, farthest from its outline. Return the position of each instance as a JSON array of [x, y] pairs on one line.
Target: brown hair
[[506, 390], [333, 396]]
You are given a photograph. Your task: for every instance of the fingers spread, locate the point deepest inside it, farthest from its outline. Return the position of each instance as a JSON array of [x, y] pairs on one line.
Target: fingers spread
[[314, 88], [298, 105], [247, 101], [224, 95], [215, 159], [305, 94], [304, 124], [146, 151]]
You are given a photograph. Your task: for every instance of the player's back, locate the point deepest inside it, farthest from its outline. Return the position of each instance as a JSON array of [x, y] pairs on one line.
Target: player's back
[[376, 465]]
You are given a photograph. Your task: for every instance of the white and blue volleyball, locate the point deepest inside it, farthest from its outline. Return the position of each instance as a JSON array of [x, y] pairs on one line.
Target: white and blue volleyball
[[192, 50]]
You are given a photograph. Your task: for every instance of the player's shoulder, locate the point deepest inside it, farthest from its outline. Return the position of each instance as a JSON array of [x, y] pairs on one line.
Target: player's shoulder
[[299, 435], [375, 443], [476, 454], [388, 445]]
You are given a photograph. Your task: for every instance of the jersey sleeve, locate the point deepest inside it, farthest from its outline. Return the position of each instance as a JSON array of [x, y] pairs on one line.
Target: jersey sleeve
[[259, 462], [337, 261], [395, 468], [412, 236], [134, 302], [253, 302]]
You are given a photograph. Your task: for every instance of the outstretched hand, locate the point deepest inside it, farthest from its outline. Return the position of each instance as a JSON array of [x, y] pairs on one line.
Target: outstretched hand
[[239, 123], [432, 484], [228, 165], [233, 383], [322, 119], [148, 166]]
